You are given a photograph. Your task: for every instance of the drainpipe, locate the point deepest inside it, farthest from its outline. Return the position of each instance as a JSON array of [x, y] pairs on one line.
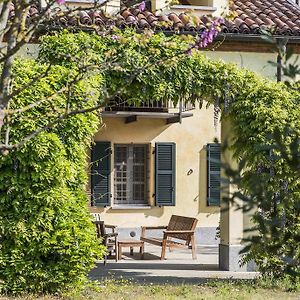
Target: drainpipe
[[279, 67], [180, 111]]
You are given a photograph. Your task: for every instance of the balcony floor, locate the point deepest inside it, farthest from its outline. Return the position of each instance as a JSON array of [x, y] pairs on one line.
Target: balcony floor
[[132, 116]]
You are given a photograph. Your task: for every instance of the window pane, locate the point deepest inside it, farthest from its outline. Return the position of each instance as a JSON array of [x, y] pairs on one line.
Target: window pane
[[139, 175], [120, 178], [130, 167]]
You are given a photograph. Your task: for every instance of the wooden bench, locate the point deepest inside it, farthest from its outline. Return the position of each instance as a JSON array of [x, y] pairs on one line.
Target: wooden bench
[[179, 233]]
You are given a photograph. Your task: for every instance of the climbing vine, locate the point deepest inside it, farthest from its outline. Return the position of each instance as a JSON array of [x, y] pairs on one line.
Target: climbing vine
[[255, 106], [42, 184]]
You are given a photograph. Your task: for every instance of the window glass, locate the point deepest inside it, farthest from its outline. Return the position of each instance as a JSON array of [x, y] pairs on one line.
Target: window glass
[[130, 175]]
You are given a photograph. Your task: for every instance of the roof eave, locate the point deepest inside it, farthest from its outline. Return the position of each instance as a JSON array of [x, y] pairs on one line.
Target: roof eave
[[239, 37]]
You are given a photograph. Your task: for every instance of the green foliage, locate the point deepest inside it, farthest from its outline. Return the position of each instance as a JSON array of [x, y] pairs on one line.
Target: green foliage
[[48, 241], [266, 126], [42, 184], [257, 108]]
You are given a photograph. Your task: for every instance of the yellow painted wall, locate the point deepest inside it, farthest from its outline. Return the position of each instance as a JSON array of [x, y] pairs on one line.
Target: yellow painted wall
[[190, 137]]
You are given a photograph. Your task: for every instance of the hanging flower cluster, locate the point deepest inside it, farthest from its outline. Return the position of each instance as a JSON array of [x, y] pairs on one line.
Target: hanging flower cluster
[[208, 35], [142, 6]]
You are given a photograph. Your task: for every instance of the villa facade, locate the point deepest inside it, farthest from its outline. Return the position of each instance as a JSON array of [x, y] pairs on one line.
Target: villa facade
[[157, 160]]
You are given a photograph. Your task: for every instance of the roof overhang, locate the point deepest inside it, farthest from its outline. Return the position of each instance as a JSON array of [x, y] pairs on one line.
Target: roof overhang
[[130, 116]]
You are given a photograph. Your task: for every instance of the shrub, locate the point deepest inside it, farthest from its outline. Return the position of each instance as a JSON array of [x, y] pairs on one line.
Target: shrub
[[48, 241]]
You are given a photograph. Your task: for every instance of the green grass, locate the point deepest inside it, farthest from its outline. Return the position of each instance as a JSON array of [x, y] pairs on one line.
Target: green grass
[[217, 290]]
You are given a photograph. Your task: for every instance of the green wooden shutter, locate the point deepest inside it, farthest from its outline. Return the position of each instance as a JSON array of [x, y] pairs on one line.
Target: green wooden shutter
[[100, 174], [165, 162], [213, 174]]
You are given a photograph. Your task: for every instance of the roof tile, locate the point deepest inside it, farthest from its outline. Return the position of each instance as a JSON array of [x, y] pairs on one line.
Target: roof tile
[[252, 16]]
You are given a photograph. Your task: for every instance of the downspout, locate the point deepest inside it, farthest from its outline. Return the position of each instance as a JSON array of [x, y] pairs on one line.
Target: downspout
[[279, 67], [180, 111], [281, 45]]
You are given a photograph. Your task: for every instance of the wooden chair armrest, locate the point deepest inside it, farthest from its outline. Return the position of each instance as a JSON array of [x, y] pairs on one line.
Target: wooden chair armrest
[[113, 234], [154, 227], [144, 228], [179, 232], [110, 226]]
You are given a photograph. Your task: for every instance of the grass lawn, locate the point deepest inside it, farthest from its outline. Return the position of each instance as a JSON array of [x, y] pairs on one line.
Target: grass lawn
[[214, 290]]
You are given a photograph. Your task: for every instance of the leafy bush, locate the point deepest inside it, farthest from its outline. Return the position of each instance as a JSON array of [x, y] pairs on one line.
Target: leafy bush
[[48, 241]]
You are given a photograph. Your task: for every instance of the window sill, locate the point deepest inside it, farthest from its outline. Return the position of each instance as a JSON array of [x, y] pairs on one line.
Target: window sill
[[194, 7], [126, 207], [86, 1]]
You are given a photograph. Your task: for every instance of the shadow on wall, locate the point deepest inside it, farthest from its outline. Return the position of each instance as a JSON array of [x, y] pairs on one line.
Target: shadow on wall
[[202, 197], [116, 131]]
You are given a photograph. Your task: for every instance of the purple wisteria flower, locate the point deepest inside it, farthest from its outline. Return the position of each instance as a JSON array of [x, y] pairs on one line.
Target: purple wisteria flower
[[207, 36], [142, 6], [60, 2]]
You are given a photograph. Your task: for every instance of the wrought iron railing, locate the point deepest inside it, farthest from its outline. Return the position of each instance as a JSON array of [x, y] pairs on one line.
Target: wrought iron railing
[[150, 106]]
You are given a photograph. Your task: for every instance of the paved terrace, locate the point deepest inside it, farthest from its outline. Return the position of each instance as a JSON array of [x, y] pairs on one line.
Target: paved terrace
[[178, 268]]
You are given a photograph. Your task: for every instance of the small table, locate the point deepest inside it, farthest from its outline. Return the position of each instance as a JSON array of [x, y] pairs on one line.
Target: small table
[[131, 244]]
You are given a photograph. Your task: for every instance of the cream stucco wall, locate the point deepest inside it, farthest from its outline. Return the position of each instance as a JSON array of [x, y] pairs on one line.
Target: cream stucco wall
[[257, 62], [198, 7], [190, 137]]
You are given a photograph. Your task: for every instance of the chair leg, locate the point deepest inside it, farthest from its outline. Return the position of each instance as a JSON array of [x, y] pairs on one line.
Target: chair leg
[[163, 249], [119, 252], [116, 249], [142, 251], [194, 254]]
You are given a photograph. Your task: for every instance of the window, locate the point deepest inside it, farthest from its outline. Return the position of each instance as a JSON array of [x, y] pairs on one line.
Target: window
[[130, 175], [208, 3]]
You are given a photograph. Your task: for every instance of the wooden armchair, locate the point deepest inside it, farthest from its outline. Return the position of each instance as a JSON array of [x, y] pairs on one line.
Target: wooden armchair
[[182, 229], [109, 239]]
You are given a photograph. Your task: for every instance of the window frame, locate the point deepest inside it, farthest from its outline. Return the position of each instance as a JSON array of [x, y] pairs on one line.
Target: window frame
[[129, 181]]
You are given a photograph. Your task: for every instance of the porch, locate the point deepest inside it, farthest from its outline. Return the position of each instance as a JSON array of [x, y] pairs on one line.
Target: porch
[[178, 268]]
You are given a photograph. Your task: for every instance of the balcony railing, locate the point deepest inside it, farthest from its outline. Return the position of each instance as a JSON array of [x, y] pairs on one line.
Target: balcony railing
[[149, 109], [150, 106]]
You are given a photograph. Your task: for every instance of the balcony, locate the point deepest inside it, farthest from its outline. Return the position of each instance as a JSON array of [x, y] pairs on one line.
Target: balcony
[[119, 108]]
